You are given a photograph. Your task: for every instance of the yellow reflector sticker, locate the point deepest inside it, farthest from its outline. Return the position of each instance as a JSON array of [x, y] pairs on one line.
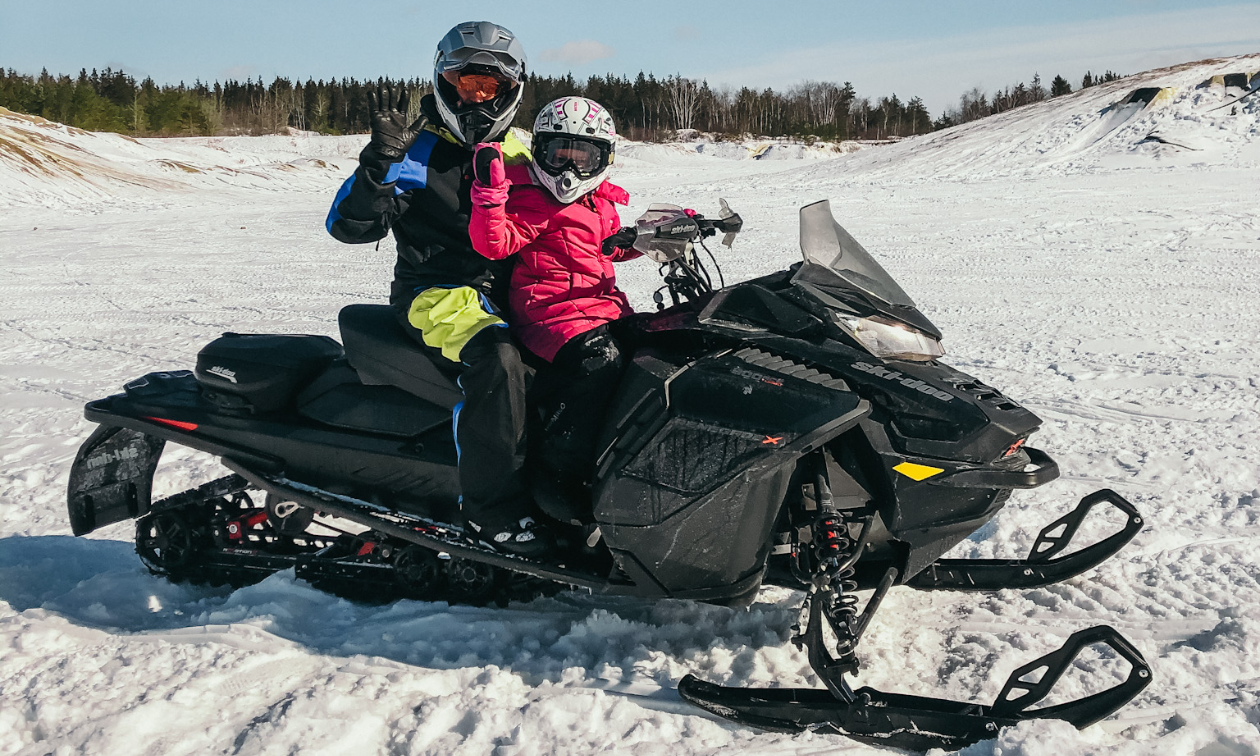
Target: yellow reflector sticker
[[917, 472]]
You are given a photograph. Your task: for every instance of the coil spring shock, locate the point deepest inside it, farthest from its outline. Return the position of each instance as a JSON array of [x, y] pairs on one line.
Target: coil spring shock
[[835, 546], [831, 538]]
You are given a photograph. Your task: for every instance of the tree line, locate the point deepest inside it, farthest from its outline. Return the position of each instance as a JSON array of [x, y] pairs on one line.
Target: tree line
[[975, 103], [644, 107]]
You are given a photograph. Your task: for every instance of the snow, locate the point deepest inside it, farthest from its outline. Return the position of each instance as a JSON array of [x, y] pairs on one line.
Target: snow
[[1107, 281]]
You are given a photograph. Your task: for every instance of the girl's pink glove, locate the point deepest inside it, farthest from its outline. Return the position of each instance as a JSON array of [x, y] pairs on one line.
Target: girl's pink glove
[[490, 184]]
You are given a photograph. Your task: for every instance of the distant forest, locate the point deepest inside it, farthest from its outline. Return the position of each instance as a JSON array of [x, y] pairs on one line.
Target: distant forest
[[646, 108]]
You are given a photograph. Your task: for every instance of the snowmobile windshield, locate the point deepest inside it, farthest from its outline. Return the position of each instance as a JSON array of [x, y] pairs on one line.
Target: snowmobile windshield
[[831, 253]]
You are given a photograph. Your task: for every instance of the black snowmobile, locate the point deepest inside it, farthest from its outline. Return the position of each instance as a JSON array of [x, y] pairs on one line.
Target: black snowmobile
[[796, 429]]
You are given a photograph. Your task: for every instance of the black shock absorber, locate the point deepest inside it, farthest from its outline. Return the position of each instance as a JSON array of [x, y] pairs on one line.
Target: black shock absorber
[[831, 538], [837, 553], [835, 547]]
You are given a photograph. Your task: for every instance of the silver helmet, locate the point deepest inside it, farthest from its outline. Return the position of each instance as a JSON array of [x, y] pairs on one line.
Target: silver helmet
[[477, 77]]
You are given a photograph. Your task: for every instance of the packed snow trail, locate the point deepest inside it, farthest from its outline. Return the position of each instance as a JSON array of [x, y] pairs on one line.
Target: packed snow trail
[[1112, 291]]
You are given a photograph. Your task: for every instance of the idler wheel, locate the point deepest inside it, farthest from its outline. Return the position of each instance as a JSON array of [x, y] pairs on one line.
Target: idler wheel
[[471, 582], [417, 569], [165, 542]]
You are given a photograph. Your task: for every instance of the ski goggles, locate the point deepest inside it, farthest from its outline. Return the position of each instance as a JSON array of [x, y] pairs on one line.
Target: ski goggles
[[497, 60], [557, 153], [477, 84]]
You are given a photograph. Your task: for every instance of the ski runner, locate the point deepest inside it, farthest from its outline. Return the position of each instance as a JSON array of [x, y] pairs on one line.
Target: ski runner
[[558, 217], [413, 179]]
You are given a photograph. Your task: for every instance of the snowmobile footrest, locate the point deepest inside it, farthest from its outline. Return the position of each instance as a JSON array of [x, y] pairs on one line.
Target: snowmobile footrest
[[434, 536], [1041, 567], [917, 723]]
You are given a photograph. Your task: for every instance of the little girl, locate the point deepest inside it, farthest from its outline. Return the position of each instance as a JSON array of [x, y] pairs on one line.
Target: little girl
[[557, 215]]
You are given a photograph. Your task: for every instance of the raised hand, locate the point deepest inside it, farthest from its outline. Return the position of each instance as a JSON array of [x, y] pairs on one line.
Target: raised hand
[[491, 185], [392, 134], [488, 164]]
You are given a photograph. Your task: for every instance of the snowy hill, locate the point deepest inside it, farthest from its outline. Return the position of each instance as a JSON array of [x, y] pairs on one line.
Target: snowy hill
[[42, 162], [1107, 280], [1094, 129]]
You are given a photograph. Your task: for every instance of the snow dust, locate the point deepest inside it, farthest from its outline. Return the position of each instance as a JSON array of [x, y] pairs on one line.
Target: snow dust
[[1107, 280]]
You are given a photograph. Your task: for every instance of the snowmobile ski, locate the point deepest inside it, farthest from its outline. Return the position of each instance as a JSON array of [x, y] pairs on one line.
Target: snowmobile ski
[[1041, 567], [918, 723]]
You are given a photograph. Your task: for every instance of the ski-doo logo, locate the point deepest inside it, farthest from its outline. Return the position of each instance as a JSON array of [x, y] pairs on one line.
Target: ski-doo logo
[[108, 457], [222, 372], [913, 383], [683, 228]]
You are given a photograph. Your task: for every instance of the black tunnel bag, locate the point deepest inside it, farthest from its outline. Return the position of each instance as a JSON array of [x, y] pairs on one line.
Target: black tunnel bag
[[262, 372]]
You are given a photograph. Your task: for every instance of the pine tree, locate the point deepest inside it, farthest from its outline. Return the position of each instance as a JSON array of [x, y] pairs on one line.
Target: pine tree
[[1037, 92], [1060, 86]]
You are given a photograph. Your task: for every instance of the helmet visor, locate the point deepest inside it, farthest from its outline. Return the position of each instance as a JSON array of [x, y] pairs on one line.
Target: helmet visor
[[500, 60], [585, 157], [477, 84]]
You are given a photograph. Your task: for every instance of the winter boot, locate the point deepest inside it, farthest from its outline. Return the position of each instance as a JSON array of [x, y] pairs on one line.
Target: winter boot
[[525, 537]]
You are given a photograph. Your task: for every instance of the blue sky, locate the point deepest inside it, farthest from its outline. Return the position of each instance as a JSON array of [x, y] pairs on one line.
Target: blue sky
[[936, 50]]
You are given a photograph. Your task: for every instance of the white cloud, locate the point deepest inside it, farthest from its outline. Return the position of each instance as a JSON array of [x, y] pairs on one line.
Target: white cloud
[[577, 53], [939, 70]]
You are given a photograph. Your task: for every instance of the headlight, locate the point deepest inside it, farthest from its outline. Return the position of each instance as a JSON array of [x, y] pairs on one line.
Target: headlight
[[887, 338]]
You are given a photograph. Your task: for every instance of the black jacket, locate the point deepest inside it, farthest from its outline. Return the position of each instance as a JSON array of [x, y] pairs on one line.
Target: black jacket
[[424, 200]]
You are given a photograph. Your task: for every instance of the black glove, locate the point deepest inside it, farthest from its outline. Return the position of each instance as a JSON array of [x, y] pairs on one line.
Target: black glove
[[391, 134], [623, 239]]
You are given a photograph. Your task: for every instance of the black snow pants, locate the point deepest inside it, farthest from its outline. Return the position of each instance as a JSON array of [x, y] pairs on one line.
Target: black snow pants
[[571, 395], [489, 426]]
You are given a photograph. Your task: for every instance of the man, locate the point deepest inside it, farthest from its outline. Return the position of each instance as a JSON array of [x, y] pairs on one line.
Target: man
[[413, 179]]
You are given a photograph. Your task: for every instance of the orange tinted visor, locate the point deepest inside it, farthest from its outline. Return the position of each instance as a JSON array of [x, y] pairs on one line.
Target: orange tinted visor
[[476, 86]]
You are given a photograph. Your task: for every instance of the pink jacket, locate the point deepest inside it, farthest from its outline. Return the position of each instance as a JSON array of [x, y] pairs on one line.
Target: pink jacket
[[562, 285]]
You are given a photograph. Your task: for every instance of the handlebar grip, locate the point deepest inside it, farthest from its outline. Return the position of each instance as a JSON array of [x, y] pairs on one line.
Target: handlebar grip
[[731, 225]]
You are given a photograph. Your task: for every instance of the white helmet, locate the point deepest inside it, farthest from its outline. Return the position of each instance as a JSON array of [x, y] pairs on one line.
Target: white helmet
[[477, 77], [574, 140]]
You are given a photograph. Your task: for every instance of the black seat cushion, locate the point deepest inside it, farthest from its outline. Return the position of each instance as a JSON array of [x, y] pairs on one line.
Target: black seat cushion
[[382, 353]]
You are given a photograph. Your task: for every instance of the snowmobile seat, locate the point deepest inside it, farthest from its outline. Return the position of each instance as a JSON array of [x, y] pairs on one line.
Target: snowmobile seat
[[383, 354]]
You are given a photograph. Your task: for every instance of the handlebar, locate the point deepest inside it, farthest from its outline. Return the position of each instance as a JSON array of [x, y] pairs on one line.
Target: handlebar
[[710, 227], [665, 232], [668, 234]]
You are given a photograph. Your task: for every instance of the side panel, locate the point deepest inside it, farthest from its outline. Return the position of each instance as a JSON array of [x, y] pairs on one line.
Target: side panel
[[695, 497], [111, 478]]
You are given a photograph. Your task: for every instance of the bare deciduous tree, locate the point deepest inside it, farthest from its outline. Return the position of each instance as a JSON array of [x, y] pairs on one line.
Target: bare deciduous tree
[[683, 101]]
